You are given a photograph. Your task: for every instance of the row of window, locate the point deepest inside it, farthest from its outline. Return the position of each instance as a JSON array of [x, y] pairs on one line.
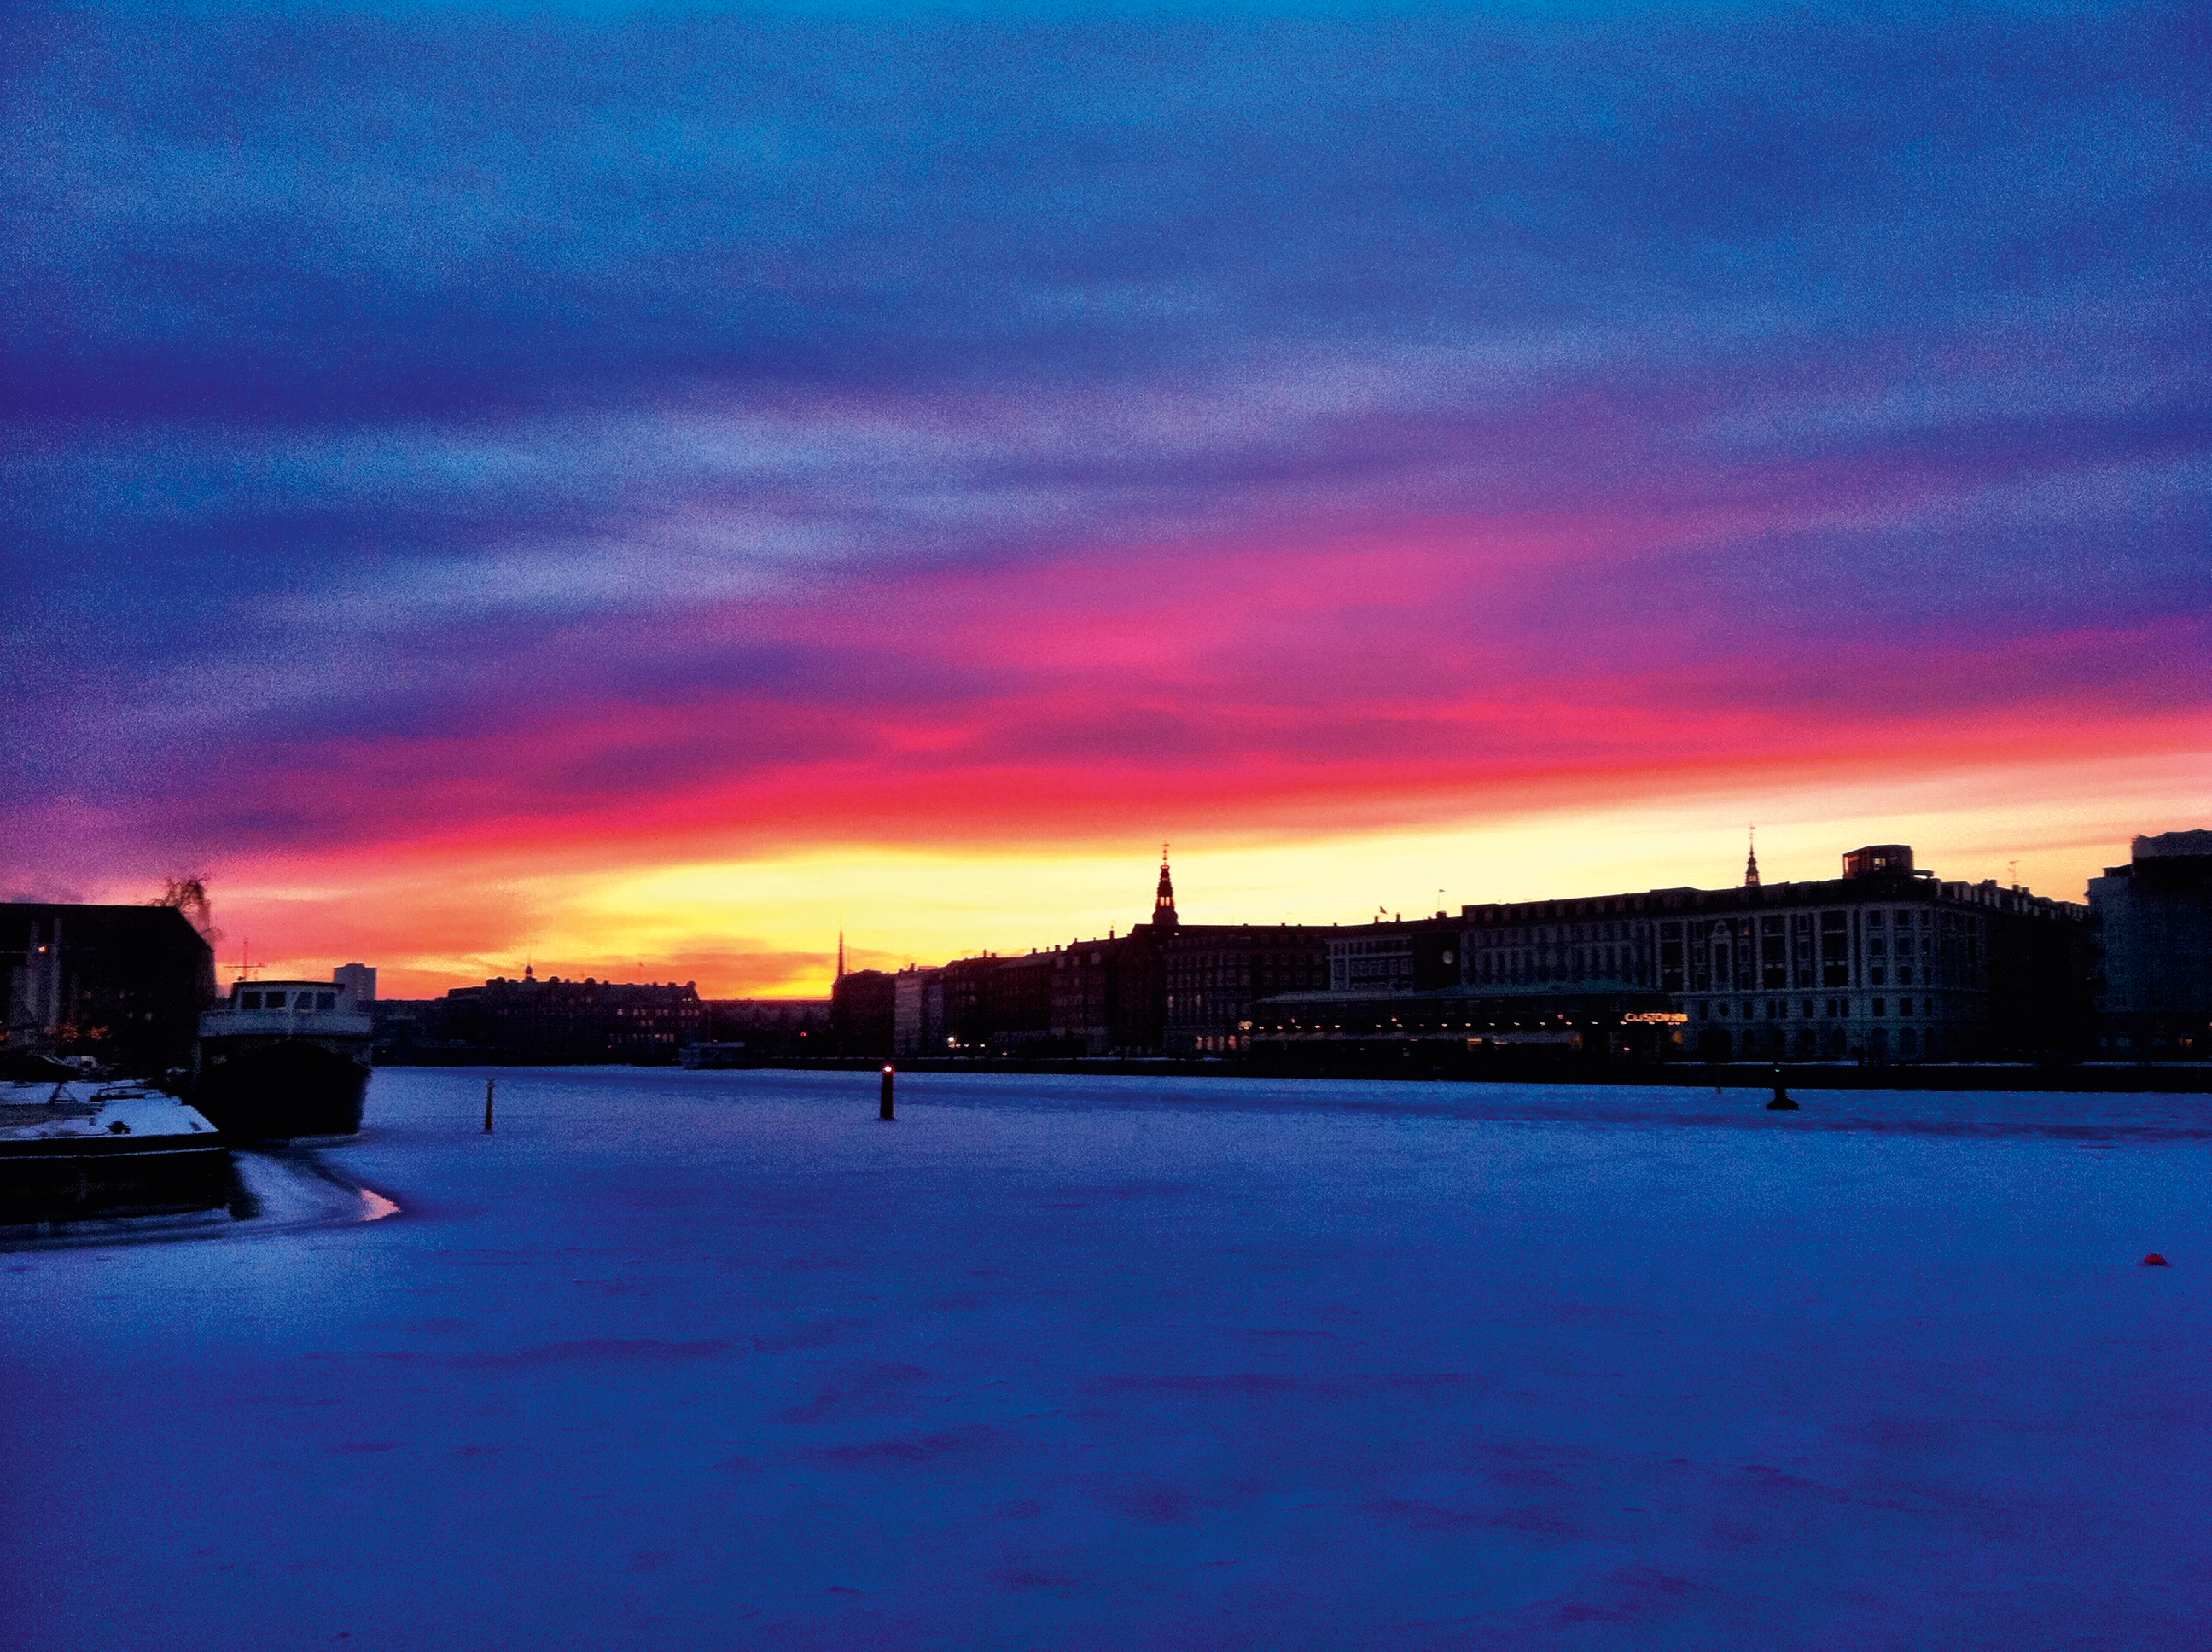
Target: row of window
[[1583, 963], [1558, 934], [1778, 1009], [1884, 918], [302, 1002], [1812, 1042]]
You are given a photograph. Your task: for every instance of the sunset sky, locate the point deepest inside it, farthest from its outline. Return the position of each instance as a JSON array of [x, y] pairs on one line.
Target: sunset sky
[[633, 488]]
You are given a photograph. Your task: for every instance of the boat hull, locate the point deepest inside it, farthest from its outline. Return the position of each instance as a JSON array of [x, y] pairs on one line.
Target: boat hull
[[273, 1089], [74, 1179]]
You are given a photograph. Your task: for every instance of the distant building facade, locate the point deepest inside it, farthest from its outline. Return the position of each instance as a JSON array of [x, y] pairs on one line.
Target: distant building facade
[[1884, 962], [1106, 995], [562, 1021], [359, 979], [2151, 928], [1215, 973], [862, 1003], [1490, 980], [125, 985], [766, 1027], [1016, 1004], [918, 1011], [1103, 997]]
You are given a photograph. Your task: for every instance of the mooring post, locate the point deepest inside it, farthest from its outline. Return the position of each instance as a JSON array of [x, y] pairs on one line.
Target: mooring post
[[489, 1085], [889, 1077], [1781, 1104]]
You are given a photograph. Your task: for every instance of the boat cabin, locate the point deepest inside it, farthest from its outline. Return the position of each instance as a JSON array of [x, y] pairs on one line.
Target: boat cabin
[[287, 1009]]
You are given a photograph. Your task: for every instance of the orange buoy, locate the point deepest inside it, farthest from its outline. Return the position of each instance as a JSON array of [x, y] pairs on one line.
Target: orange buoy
[[2155, 1260]]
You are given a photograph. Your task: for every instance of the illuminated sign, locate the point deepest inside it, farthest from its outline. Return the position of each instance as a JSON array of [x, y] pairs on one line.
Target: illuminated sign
[[1661, 1017]]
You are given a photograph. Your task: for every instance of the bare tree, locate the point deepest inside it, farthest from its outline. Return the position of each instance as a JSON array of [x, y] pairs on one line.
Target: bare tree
[[189, 895]]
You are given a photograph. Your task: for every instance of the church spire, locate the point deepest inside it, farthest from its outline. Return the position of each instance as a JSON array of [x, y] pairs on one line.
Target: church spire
[[1751, 862], [1163, 912]]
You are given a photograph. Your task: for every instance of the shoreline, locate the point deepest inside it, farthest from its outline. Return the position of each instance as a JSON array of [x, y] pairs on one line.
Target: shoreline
[[2093, 1078]]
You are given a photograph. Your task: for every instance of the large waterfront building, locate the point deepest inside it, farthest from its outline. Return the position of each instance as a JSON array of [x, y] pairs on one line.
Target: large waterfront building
[[1884, 962], [1490, 978], [124, 985], [863, 1005], [1206, 977], [1106, 994], [1017, 1004], [918, 1011], [995, 1005], [560, 1021], [770, 1026], [2151, 926], [1215, 973]]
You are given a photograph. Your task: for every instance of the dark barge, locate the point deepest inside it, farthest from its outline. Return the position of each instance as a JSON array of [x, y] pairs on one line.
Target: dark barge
[[127, 1151]]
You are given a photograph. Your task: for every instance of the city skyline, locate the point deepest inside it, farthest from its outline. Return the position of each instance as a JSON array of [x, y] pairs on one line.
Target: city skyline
[[811, 975], [631, 487]]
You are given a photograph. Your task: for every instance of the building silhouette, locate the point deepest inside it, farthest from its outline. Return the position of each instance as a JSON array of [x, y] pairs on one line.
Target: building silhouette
[[2151, 932], [1884, 962], [124, 985], [560, 1021], [861, 1010]]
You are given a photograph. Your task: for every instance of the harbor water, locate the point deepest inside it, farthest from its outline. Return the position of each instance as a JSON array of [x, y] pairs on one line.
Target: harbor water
[[714, 1359]]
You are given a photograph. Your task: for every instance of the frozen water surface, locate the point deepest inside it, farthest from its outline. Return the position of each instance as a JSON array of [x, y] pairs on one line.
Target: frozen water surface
[[682, 1360]]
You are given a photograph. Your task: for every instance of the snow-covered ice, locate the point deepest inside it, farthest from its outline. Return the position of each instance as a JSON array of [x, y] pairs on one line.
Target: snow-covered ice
[[712, 1360]]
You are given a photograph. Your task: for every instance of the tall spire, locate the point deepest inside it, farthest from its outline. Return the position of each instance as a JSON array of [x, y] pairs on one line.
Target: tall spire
[[841, 951], [1163, 912], [1751, 862]]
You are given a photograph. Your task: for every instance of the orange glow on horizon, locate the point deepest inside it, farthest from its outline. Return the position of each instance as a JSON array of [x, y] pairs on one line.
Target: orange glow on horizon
[[765, 924]]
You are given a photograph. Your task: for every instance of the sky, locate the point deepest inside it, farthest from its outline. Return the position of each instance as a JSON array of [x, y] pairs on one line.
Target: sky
[[633, 489]]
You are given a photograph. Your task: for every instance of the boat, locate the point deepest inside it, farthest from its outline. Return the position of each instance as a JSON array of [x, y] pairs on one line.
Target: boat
[[281, 1059], [127, 1150]]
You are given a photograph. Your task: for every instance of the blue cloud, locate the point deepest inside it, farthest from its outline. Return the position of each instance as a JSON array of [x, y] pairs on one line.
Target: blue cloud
[[362, 363]]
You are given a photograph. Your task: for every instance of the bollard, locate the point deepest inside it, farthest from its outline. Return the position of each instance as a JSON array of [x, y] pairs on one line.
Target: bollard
[[1781, 1104], [890, 1076], [488, 1084]]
